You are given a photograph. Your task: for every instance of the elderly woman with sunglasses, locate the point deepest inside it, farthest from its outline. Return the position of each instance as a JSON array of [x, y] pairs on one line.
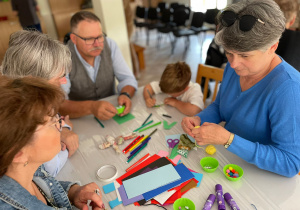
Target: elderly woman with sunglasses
[[260, 93], [29, 136]]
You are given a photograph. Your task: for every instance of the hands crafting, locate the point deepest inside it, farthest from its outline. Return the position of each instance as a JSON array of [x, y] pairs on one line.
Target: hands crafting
[[124, 100], [170, 101], [103, 110], [150, 102], [207, 133], [80, 195], [69, 139]]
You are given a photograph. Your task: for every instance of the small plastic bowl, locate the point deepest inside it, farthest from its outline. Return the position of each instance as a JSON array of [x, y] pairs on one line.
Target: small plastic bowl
[[209, 164], [184, 202], [236, 168]]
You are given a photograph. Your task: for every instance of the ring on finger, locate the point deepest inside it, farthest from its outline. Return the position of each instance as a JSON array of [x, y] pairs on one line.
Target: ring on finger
[[97, 191]]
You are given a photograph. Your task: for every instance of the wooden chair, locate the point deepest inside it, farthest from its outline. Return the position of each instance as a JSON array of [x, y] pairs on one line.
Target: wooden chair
[[209, 72]]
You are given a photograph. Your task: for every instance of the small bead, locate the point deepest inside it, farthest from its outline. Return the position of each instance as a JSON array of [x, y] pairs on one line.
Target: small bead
[[236, 175], [227, 171], [230, 168], [233, 171]]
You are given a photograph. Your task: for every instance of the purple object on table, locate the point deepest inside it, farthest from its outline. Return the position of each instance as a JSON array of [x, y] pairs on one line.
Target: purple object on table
[[209, 202], [220, 199], [231, 202], [172, 142]]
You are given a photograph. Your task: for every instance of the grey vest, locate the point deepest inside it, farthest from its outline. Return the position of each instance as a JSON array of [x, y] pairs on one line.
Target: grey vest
[[82, 87]]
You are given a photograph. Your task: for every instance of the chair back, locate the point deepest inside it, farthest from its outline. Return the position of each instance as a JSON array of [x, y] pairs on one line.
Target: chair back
[[198, 19], [209, 72], [180, 16], [152, 13], [162, 6], [210, 16], [140, 12]]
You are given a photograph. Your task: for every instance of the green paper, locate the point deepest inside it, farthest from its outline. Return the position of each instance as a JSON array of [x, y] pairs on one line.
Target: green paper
[[123, 119], [174, 152], [167, 126]]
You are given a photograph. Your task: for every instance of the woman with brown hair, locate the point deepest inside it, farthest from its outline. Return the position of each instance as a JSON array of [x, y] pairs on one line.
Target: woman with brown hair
[[30, 136]]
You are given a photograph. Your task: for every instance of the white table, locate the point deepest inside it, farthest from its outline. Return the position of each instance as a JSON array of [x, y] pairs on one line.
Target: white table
[[264, 189]]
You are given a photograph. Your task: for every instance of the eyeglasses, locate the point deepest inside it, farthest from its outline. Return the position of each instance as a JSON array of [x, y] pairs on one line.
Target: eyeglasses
[[59, 122], [91, 41], [246, 21]]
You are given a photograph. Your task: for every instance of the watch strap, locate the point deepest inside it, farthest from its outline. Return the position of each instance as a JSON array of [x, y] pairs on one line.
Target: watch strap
[[126, 94], [231, 137]]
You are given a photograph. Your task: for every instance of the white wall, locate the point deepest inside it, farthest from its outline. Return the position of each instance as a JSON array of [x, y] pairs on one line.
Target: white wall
[[45, 11], [111, 13]]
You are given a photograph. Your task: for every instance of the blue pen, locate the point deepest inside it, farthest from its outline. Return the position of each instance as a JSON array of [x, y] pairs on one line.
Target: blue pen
[[139, 147]]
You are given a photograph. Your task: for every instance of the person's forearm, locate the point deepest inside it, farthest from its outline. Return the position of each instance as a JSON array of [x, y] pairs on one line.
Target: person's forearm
[[72, 192], [187, 108], [76, 109], [129, 89], [148, 90]]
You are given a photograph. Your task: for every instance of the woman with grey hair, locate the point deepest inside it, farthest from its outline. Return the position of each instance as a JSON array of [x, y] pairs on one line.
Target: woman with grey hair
[[260, 93], [31, 53]]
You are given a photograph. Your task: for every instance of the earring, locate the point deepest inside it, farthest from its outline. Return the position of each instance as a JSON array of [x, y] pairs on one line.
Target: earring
[[26, 163]]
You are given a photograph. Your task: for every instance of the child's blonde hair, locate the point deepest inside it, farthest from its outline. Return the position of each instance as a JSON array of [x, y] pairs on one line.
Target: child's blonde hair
[[175, 78]]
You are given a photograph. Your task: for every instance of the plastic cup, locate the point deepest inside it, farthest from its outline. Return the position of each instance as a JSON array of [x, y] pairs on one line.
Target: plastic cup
[[236, 168], [209, 164], [183, 203]]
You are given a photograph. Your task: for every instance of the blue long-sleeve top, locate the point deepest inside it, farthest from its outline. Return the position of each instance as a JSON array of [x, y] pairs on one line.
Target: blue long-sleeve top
[[265, 118]]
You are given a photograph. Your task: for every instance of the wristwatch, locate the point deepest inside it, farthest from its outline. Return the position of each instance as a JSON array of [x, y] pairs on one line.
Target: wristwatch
[[231, 137], [126, 94]]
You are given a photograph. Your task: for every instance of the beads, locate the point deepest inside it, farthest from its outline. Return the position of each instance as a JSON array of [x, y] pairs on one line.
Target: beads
[[232, 173]]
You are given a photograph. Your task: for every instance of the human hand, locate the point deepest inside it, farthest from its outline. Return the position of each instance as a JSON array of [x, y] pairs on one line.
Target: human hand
[[188, 123], [124, 100], [150, 102], [210, 133], [103, 110], [170, 101], [70, 139], [63, 146], [67, 120], [80, 195]]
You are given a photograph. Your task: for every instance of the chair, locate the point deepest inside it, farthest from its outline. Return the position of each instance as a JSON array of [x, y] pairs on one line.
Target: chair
[[152, 19], [209, 72], [140, 18]]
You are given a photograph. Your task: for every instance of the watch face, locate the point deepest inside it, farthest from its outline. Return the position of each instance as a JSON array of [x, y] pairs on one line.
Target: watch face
[[226, 145]]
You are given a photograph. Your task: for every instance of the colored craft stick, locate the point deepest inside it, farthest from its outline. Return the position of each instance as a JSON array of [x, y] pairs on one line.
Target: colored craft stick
[[147, 118], [144, 142], [137, 143], [135, 154], [142, 136], [129, 145], [138, 162], [149, 93], [150, 126], [165, 115], [99, 122], [152, 132], [143, 126], [158, 105]]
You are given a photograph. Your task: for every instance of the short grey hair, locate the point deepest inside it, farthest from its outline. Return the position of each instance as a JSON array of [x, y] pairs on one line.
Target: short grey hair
[[31, 53], [261, 36]]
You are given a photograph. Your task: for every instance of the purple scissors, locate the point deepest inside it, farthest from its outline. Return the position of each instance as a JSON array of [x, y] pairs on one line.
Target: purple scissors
[[172, 142]]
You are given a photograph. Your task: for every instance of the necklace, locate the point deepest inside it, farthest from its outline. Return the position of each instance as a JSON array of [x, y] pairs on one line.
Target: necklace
[[44, 195]]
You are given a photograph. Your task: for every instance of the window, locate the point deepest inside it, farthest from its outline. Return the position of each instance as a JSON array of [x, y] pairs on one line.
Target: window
[[203, 5]]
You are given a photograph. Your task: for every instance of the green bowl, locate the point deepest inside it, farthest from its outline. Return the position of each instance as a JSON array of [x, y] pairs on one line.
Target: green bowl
[[209, 164], [183, 202], [236, 168]]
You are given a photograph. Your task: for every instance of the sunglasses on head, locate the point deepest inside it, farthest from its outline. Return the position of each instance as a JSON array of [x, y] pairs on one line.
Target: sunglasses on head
[[246, 22]]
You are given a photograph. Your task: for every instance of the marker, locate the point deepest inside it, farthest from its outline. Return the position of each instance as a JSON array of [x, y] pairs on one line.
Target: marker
[[147, 119], [144, 142], [99, 122], [220, 199], [128, 147], [150, 126], [143, 126], [165, 115], [231, 202], [138, 162], [149, 93], [209, 202], [137, 153], [140, 141]]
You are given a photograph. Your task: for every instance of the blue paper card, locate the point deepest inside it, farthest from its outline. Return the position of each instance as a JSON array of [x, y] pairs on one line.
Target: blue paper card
[[150, 181], [109, 188]]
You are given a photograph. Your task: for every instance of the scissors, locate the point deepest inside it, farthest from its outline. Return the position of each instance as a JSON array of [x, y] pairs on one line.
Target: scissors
[[172, 142]]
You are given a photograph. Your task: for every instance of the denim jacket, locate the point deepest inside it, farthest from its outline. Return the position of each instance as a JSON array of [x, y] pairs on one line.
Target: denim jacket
[[14, 196]]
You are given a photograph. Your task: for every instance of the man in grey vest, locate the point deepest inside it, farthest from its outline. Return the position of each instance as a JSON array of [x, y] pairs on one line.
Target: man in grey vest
[[96, 61]]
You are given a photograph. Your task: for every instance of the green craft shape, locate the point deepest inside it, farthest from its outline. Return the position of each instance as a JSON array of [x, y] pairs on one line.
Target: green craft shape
[[167, 126], [123, 119]]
